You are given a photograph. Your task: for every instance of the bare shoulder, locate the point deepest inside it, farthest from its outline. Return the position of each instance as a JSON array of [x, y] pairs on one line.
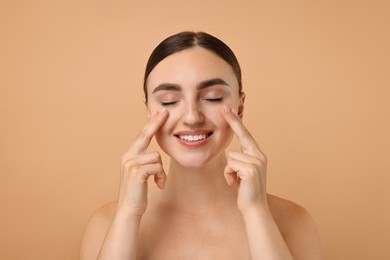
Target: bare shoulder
[[297, 227], [96, 230], [286, 212]]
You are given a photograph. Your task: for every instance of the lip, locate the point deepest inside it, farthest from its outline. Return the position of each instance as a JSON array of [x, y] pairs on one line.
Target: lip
[[194, 144]]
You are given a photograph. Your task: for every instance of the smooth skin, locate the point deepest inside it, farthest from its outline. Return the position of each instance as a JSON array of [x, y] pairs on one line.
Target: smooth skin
[[217, 210]]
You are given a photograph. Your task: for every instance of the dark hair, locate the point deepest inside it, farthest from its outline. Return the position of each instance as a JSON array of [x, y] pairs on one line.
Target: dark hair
[[186, 40]]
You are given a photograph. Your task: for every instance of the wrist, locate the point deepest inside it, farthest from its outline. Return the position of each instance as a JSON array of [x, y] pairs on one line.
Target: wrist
[[256, 212], [127, 216]]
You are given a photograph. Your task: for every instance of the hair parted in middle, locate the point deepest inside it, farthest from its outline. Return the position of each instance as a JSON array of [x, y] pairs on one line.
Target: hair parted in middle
[[186, 40]]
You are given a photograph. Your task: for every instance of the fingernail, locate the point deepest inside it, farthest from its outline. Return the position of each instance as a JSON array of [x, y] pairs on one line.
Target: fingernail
[[234, 112], [154, 114], [162, 111], [225, 109]]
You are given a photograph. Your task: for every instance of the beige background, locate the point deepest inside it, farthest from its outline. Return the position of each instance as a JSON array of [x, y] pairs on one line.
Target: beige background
[[316, 74]]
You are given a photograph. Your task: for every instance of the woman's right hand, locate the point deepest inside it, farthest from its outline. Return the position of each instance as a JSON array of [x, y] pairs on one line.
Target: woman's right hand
[[137, 166]]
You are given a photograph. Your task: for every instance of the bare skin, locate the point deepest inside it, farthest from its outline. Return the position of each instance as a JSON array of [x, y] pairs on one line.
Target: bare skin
[[211, 204], [181, 235]]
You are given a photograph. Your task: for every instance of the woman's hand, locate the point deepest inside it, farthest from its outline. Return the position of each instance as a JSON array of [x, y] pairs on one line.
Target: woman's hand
[[137, 166], [246, 169]]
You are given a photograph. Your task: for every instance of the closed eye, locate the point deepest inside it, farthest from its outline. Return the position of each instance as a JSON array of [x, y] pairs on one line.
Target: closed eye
[[215, 99], [168, 103]]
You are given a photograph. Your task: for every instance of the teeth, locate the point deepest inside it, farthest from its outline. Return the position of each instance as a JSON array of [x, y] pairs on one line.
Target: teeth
[[192, 138]]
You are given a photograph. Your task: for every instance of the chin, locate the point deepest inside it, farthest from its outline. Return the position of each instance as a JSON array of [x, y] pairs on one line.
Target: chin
[[191, 160], [197, 160]]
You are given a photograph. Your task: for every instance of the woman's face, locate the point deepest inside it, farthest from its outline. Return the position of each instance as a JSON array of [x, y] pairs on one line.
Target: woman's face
[[193, 85]]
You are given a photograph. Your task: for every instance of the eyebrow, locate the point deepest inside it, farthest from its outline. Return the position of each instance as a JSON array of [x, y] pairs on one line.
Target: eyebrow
[[211, 82], [202, 85]]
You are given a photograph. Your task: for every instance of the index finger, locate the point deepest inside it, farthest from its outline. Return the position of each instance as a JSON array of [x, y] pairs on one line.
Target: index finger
[[247, 142], [144, 137]]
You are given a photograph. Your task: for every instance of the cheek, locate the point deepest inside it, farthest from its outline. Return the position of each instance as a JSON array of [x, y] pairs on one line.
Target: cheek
[[167, 128], [161, 138], [221, 124]]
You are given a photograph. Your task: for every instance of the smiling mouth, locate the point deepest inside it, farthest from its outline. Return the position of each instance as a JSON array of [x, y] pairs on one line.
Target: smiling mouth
[[194, 138]]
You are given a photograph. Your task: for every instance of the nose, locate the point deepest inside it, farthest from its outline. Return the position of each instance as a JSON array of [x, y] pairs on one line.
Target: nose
[[193, 115]]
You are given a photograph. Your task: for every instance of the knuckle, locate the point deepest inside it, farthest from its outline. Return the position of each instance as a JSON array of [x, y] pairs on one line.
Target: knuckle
[[263, 158], [264, 161], [136, 175], [155, 156], [129, 167], [159, 167], [134, 169], [124, 159], [124, 166], [252, 170], [258, 162]]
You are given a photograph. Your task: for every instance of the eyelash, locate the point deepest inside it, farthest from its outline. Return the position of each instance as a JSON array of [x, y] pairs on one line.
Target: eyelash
[[214, 99], [170, 103]]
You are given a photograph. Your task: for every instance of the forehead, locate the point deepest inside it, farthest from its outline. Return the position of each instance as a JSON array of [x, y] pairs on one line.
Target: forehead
[[189, 67]]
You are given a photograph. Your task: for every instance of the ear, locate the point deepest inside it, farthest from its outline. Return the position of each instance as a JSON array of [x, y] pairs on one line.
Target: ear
[[241, 105]]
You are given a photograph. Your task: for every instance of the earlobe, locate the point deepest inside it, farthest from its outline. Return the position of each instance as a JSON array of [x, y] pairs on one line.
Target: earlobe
[[241, 105]]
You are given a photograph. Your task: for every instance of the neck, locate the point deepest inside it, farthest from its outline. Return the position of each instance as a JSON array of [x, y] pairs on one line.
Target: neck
[[199, 190]]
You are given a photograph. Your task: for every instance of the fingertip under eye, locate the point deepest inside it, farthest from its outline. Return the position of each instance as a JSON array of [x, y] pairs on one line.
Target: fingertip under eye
[[158, 113], [163, 111], [230, 111], [225, 109], [163, 114], [234, 112]]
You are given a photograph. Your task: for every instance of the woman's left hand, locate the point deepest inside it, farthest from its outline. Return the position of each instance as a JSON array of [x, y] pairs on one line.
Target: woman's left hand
[[246, 169]]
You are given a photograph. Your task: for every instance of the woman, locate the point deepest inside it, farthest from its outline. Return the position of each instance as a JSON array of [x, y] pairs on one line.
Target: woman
[[210, 204]]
